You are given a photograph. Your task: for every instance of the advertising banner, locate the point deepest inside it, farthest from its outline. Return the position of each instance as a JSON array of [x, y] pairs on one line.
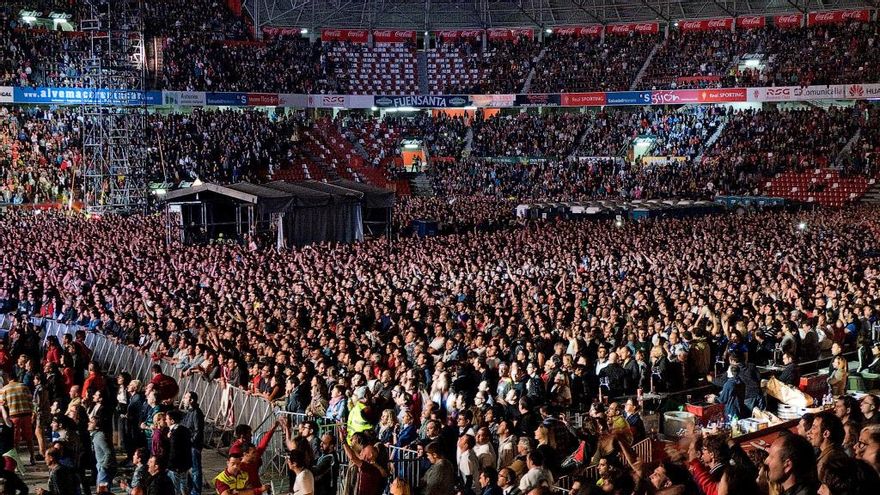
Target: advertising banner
[[628, 98], [509, 34], [583, 99], [350, 35], [539, 100], [459, 34], [635, 27], [858, 91], [6, 94], [78, 96], [291, 100], [723, 95], [426, 101], [751, 22], [592, 31], [184, 98], [262, 99], [154, 97], [493, 101], [675, 97], [800, 93], [281, 31], [327, 101], [393, 36], [226, 99], [725, 24], [788, 21], [838, 17]]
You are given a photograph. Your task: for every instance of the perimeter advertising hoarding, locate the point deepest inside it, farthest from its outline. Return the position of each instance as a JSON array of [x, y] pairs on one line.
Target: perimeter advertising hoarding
[[6, 95], [422, 101], [184, 98], [226, 99], [539, 100], [262, 99], [79, 96], [493, 101], [596, 99], [628, 98]]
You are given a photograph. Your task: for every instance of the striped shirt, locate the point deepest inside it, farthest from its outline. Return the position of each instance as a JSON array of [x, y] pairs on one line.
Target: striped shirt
[[18, 399]]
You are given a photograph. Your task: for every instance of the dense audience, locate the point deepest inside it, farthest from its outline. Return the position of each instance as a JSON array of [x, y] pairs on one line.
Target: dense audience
[[551, 135], [573, 64]]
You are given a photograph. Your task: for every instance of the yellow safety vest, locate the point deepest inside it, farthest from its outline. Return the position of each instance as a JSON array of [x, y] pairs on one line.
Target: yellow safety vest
[[237, 482], [356, 422]]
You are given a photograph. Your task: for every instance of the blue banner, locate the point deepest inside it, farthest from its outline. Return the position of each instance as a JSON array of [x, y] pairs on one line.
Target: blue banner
[[628, 98], [79, 96], [226, 99]]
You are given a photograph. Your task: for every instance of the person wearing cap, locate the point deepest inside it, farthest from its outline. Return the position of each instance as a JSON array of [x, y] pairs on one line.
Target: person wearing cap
[[359, 414]]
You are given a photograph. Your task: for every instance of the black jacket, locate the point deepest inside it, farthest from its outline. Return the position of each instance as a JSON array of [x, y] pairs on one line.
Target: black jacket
[[179, 449], [194, 420]]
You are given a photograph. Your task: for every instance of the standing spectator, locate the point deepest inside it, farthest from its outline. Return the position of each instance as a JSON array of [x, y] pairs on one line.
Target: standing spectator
[[304, 484], [326, 468], [440, 477], [194, 421], [159, 482], [179, 451], [138, 476], [164, 386], [233, 481], [135, 411], [17, 398]]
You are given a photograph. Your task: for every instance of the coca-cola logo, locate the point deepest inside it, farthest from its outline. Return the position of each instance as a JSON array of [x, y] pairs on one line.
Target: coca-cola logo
[[647, 27], [473, 33], [824, 16], [692, 25], [356, 34], [719, 23], [856, 90], [333, 33], [566, 31], [404, 34], [856, 15], [382, 34], [620, 28], [788, 20], [754, 21], [591, 30]]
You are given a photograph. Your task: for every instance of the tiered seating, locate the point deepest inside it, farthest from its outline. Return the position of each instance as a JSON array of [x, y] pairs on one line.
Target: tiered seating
[[454, 67], [823, 186], [387, 68]]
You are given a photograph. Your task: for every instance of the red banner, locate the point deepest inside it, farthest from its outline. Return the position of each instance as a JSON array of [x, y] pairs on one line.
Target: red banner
[[459, 34], [636, 27], [594, 31], [751, 22], [262, 99], [583, 99], [393, 36], [281, 31], [725, 24], [509, 34], [788, 21], [838, 17], [351, 35], [723, 95]]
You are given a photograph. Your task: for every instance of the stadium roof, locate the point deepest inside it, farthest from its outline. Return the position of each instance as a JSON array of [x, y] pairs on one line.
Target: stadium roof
[[426, 15]]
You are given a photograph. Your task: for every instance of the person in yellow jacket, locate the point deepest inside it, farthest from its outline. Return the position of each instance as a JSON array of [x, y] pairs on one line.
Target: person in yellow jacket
[[360, 414], [232, 480]]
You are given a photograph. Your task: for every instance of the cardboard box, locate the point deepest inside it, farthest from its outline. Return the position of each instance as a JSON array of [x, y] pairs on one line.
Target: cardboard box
[[706, 413]]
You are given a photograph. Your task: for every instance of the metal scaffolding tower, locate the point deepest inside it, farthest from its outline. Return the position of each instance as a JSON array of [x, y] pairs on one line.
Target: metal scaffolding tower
[[114, 134]]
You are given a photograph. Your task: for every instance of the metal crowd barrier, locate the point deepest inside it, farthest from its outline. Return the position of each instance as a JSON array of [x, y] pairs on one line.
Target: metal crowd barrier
[[643, 450]]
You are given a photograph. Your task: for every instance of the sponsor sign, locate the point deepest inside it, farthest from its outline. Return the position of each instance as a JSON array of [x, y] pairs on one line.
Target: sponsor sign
[[184, 98], [459, 34], [393, 36], [427, 101], [675, 97], [291, 100], [327, 101], [6, 94], [226, 99], [509, 34], [628, 98], [801, 93], [751, 22], [350, 35], [262, 99], [539, 100], [725, 24], [583, 99], [788, 21], [493, 101], [635, 27], [593, 31], [838, 17], [722, 95], [281, 31], [154, 97], [78, 96]]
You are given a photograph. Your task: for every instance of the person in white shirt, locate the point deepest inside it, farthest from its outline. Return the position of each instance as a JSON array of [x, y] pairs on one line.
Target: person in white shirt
[[536, 475], [305, 481], [486, 455], [468, 466]]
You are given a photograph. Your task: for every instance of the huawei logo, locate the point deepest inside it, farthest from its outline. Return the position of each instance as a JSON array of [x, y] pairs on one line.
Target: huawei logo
[[856, 90]]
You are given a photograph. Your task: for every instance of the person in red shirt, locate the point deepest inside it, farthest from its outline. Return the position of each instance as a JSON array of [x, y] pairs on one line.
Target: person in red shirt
[[166, 388], [94, 382], [252, 456]]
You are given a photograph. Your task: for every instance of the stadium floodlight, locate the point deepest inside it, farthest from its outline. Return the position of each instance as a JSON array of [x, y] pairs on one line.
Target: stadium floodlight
[[675, 24], [549, 31], [304, 31], [374, 109]]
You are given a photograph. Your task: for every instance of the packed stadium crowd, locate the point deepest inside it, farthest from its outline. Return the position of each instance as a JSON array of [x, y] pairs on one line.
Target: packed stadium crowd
[[484, 340]]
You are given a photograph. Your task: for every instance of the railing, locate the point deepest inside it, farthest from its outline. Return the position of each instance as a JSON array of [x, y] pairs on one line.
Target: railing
[[643, 450]]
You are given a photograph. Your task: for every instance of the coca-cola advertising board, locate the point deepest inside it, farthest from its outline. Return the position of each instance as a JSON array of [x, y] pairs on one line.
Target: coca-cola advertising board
[[634, 27], [725, 24], [393, 36], [751, 22], [788, 21], [838, 17], [509, 34], [459, 34], [350, 35], [592, 31]]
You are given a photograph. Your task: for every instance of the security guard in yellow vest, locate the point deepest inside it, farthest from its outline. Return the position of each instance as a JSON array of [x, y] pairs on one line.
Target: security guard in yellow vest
[[357, 415], [232, 480]]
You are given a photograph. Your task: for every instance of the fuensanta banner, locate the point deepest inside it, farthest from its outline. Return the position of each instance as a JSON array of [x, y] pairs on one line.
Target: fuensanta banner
[[838, 17], [725, 24], [635, 27], [594, 30], [751, 22], [352, 35], [459, 34], [509, 34], [788, 21], [393, 36]]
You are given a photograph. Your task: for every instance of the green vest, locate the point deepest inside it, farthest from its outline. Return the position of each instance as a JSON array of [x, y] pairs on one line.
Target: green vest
[[356, 422]]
